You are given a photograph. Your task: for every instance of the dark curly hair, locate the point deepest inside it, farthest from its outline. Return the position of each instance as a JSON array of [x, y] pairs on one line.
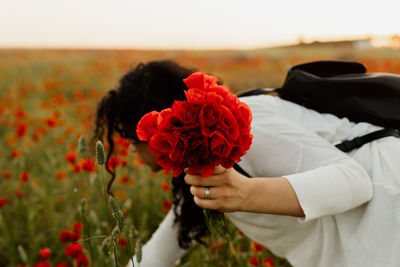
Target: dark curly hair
[[147, 87]]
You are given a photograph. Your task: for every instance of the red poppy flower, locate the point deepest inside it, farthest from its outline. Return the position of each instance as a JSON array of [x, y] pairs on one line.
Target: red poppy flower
[[113, 162], [165, 186], [2, 110], [73, 250], [19, 193], [20, 113], [42, 264], [24, 177], [166, 205], [3, 201], [6, 174], [62, 264], [253, 261], [66, 236], [44, 253], [21, 130], [124, 152], [51, 122], [122, 241], [82, 260], [268, 262], [60, 175], [257, 247], [78, 226], [15, 153], [71, 157], [88, 165]]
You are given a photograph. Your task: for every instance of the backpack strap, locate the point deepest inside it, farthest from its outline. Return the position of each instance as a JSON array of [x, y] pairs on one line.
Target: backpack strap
[[359, 141]]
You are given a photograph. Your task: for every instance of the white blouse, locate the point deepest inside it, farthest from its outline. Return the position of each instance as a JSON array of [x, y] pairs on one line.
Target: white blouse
[[351, 201]]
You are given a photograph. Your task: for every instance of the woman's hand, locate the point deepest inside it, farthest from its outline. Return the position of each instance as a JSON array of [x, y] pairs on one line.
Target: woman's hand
[[228, 190], [231, 191]]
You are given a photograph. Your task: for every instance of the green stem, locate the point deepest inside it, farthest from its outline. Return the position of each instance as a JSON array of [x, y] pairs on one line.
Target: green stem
[[115, 255], [105, 194], [130, 248], [93, 237]]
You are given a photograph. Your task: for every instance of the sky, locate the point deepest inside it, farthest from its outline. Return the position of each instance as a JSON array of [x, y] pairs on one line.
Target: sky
[[189, 24]]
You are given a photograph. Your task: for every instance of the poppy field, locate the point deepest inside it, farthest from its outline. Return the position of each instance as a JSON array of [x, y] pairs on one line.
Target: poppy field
[[53, 207]]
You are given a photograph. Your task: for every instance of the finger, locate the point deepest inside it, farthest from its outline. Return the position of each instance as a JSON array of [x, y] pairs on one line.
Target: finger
[[212, 204], [200, 192], [197, 180], [219, 170]]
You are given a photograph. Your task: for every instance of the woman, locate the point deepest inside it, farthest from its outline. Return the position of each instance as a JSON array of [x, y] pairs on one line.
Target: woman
[[308, 201]]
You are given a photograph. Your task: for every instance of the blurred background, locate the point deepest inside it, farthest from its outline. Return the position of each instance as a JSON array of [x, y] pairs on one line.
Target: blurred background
[[59, 58]]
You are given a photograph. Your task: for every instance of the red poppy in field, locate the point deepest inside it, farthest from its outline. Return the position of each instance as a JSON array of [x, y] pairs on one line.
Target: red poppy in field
[[71, 157], [51, 122], [166, 205], [268, 262], [61, 175], [66, 235], [82, 260], [63, 264], [20, 113], [124, 152], [21, 130], [113, 162], [125, 179], [165, 186], [2, 110], [124, 163], [73, 250], [44, 253], [78, 226], [19, 193], [24, 177], [3, 201], [6, 174], [123, 142], [257, 247], [217, 247], [253, 261], [88, 165], [125, 212], [15, 153], [42, 264], [122, 241]]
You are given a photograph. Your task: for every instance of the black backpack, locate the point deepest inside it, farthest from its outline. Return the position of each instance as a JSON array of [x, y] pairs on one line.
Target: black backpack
[[344, 89]]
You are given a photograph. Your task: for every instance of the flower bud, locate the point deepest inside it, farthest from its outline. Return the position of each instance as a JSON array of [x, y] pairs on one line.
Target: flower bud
[[22, 254], [100, 154], [138, 251], [117, 213], [105, 246], [82, 145]]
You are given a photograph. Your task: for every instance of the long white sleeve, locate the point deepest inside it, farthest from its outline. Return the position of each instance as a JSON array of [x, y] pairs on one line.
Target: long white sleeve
[[326, 180], [162, 250]]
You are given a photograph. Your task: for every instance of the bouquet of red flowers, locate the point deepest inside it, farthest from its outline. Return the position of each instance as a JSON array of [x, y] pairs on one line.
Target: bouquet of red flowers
[[210, 128]]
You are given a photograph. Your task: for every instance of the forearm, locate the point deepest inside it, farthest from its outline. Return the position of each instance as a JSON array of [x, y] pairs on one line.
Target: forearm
[[271, 195]]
